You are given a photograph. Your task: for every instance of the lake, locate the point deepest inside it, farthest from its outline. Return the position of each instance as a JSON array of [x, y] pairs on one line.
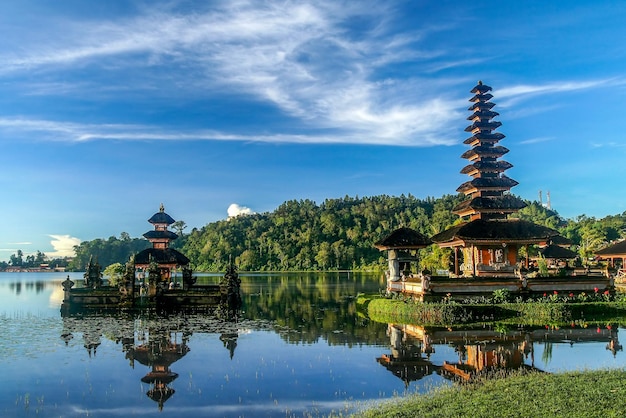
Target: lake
[[299, 348]]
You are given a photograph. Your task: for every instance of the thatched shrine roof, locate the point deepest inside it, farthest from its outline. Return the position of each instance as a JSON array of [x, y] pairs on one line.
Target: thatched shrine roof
[[160, 235], [161, 256], [506, 203], [487, 166], [502, 182], [403, 238], [561, 240], [555, 251], [161, 217], [618, 249], [495, 231], [483, 126], [480, 88], [485, 151]]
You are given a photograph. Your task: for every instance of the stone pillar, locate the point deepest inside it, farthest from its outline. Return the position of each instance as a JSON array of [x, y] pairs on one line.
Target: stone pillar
[[394, 266]]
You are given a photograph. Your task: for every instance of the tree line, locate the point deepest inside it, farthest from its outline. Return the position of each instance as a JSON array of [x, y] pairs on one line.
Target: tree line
[[338, 234]]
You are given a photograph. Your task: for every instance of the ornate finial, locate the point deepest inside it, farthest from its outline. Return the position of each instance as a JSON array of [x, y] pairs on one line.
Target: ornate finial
[[162, 208], [480, 82]]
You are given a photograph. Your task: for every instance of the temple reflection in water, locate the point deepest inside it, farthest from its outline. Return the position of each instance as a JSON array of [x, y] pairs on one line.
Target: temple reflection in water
[[156, 343], [480, 351]]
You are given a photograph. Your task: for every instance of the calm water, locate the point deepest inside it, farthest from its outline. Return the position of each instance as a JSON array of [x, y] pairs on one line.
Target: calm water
[[299, 349]]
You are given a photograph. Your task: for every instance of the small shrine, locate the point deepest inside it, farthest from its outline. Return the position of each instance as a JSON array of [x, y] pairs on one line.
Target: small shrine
[[160, 260], [401, 246], [147, 281]]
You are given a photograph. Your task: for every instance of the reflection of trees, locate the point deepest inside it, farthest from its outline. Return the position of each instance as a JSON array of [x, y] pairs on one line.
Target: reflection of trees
[[313, 306]]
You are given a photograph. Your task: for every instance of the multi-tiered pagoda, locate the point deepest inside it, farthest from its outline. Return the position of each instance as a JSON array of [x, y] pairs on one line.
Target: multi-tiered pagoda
[[489, 187], [161, 254], [487, 242]]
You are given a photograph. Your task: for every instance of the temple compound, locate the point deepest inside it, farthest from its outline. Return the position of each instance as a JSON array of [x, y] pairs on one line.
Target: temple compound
[[148, 282], [486, 243]]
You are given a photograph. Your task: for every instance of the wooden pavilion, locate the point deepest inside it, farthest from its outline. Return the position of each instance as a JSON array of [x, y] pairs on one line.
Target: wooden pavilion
[[401, 246], [616, 256]]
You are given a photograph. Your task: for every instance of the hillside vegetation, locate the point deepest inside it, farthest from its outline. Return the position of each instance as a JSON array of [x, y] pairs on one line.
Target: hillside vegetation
[[336, 234]]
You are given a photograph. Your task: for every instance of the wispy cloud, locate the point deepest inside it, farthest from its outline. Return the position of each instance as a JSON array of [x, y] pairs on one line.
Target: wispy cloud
[[294, 56], [536, 140], [513, 94]]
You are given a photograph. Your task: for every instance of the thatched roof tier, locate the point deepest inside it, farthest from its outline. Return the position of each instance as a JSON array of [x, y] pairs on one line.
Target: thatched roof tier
[[481, 137], [481, 97], [485, 151], [505, 203], [482, 114], [555, 251], [159, 235], [481, 105], [483, 126], [615, 250], [486, 167], [501, 183], [161, 218], [403, 239], [161, 256], [480, 88], [482, 231]]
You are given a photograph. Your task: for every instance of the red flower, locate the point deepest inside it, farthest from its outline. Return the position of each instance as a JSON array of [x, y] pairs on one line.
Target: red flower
[[606, 292], [556, 293], [545, 294], [571, 295], [595, 289]]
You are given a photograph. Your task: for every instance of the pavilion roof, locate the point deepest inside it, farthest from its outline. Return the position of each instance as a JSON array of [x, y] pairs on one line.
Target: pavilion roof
[[618, 249], [403, 238], [495, 231], [560, 240], [161, 256], [556, 251]]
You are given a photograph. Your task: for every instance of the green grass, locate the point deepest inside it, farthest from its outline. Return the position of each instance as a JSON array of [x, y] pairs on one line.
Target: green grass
[[524, 313], [573, 394]]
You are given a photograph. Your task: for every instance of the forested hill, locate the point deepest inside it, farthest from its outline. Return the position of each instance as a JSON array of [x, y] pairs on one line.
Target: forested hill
[[301, 235], [336, 234]]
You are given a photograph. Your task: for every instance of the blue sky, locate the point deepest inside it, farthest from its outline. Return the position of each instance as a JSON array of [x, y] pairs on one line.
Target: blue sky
[[108, 109]]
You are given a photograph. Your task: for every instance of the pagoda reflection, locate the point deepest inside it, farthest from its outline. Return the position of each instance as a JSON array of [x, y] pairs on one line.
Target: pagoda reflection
[[156, 343], [480, 352]]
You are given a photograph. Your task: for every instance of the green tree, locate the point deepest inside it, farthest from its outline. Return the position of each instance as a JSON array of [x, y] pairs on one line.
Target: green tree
[[114, 273]]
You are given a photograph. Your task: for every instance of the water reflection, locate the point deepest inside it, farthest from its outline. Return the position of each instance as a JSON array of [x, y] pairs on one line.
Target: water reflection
[[299, 348], [156, 342], [483, 351]]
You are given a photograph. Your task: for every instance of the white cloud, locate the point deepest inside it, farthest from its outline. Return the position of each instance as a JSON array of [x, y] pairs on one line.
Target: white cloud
[[295, 56], [63, 245], [235, 210]]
